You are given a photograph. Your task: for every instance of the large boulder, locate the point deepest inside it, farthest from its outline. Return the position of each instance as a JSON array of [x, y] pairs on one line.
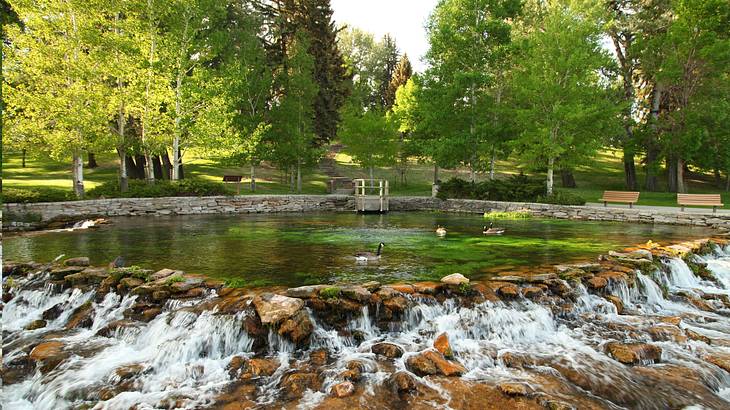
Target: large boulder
[[455, 279], [297, 328], [389, 350], [48, 355], [80, 261], [402, 382], [357, 293], [634, 353], [273, 308], [89, 276], [431, 362], [61, 273], [441, 343], [305, 292]]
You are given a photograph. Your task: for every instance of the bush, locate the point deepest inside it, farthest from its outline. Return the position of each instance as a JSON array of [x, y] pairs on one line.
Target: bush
[[517, 188], [161, 188], [562, 198], [331, 292], [21, 195]]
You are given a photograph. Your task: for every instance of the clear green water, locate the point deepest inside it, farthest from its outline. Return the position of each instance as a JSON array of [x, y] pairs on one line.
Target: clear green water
[[296, 249]]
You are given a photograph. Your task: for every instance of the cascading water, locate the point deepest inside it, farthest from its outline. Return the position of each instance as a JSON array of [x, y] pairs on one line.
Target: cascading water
[[556, 346]]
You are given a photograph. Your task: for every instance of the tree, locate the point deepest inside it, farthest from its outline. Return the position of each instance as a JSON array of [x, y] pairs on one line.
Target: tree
[[370, 138], [54, 86], [561, 100], [403, 71], [292, 139]]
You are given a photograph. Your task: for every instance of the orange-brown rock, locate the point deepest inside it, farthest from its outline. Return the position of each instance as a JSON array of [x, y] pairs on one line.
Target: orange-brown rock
[[532, 292], [667, 332], [343, 389], [427, 288], [129, 371], [402, 382], [431, 362], [672, 320], [509, 291], [486, 292], [295, 384], [441, 343], [597, 282], [389, 350], [48, 355], [258, 367], [396, 304], [515, 388], [634, 353], [403, 288], [319, 357], [697, 336], [616, 302], [720, 360], [297, 328]]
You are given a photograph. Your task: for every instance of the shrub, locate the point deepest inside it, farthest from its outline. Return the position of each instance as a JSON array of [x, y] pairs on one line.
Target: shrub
[[161, 188], [517, 188], [174, 279], [329, 293], [562, 198], [131, 271], [22, 195]]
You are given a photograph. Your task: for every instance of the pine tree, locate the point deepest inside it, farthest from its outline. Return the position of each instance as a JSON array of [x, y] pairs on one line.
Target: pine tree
[[388, 63], [403, 72]]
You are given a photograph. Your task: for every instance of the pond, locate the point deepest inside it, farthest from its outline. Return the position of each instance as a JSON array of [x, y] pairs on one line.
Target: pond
[[297, 249]]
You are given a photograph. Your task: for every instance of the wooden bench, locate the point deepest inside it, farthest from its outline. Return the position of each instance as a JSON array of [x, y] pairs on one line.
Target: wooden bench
[[626, 197], [234, 179], [713, 200]]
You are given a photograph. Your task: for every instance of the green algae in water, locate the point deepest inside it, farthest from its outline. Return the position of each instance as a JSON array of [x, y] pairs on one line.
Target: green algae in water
[[299, 249]]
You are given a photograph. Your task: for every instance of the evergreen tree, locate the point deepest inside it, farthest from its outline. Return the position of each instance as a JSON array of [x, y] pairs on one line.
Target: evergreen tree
[[402, 73], [388, 60]]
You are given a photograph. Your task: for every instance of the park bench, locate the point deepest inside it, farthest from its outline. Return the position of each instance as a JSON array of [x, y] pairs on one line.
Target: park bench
[[234, 179], [712, 200], [626, 197]]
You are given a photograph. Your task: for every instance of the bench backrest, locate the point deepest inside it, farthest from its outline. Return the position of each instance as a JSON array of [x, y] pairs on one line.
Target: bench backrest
[[699, 199], [232, 178], [620, 196]]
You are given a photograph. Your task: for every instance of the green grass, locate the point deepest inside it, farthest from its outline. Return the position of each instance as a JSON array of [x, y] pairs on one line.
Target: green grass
[[605, 172]]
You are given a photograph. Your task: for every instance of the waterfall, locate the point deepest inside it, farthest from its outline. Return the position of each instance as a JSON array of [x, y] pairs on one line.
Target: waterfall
[[680, 275]]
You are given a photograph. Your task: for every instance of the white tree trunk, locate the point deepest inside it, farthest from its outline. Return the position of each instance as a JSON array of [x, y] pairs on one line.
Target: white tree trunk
[[149, 169], [681, 187], [491, 166], [123, 179], [551, 164], [253, 177], [78, 174]]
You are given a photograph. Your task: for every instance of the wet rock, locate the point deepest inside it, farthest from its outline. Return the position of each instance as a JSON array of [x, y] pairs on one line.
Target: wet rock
[[319, 357], [106, 285], [511, 279], [355, 369], [305, 292], [559, 287], [515, 388], [691, 334], [160, 295], [185, 285], [403, 288], [396, 304], [532, 292], [719, 360], [667, 332], [61, 273], [110, 329], [36, 324], [83, 316], [129, 371], [80, 261], [402, 382], [357, 293], [455, 279], [19, 269], [151, 313], [387, 293], [343, 389], [48, 355], [486, 293], [259, 368], [597, 282], [89, 276], [389, 350], [509, 291], [193, 293], [517, 360], [616, 302], [297, 328], [235, 365], [634, 353], [672, 320], [295, 384], [16, 370], [164, 274], [273, 308], [371, 286], [441, 343], [427, 288], [431, 362], [125, 284]]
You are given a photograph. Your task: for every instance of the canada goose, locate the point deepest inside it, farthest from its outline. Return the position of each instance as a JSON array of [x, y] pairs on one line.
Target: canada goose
[[369, 256], [440, 230], [491, 230]]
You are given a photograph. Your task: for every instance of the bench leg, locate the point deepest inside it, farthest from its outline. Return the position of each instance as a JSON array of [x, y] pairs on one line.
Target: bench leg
[[605, 204], [631, 205], [714, 209], [682, 208]]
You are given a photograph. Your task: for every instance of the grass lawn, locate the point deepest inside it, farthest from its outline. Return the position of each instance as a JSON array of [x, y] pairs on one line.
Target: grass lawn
[[604, 173]]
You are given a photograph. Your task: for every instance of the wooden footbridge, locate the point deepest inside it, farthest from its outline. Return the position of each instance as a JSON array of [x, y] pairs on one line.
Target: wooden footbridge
[[371, 195]]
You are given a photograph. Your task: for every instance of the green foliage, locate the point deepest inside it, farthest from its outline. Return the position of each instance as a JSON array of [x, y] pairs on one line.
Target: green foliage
[[370, 138], [237, 283], [331, 292], [517, 188], [464, 288], [508, 215], [161, 188], [133, 271], [174, 279], [561, 198], [19, 195]]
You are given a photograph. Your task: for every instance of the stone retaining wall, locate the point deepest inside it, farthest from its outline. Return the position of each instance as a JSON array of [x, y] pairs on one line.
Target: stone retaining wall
[[33, 216]]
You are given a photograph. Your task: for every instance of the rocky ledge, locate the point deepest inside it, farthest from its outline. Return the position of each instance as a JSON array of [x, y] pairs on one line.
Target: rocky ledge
[[274, 318]]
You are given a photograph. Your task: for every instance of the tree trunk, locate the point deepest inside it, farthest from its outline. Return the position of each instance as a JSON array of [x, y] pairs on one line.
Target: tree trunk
[[372, 179], [718, 178], [180, 170], [149, 168], [435, 174], [672, 173], [681, 186], [568, 178], [176, 158], [131, 167], [491, 165], [630, 170], [167, 165], [727, 181], [253, 177], [78, 174], [299, 176], [24, 153], [292, 182], [551, 164], [140, 162], [92, 161], [652, 152], [123, 180], [157, 166]]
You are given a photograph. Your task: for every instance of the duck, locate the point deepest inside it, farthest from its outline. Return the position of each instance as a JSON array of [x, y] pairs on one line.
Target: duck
[[369, 256], [440, 230], [491, 230]]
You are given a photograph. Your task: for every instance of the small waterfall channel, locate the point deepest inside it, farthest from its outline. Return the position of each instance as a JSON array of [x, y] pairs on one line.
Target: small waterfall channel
[[660, 339]]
